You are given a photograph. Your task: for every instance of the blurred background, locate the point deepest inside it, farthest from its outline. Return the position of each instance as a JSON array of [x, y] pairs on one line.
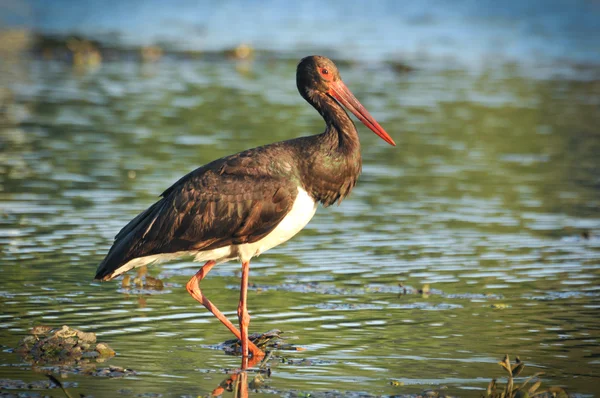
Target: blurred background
[[464, 33], [477, 236]]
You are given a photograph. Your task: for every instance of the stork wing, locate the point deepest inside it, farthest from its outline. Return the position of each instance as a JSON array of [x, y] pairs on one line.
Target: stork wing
[[207, 209]]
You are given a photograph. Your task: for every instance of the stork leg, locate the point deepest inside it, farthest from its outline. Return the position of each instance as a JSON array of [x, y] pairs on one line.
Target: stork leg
[[193, 288], [243, 315]]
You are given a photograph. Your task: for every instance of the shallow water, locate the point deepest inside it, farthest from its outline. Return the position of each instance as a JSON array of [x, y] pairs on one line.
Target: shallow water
[[491, 198]]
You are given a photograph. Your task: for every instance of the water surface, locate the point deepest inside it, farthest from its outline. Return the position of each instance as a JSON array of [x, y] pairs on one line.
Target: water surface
[[491, 198]]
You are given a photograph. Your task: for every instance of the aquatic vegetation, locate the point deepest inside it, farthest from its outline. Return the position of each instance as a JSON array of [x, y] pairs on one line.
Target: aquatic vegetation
[[268, 341], [67, 350], [64, 346], [529, 388]]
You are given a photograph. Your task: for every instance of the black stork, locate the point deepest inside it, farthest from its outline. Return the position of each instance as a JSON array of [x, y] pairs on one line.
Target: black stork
[[241, 205]]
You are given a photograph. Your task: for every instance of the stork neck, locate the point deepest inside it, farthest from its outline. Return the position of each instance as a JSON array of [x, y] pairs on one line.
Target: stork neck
[[340, 131], [332, 159]]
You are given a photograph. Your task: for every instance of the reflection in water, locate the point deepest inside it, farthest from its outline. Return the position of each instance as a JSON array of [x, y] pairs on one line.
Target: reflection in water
[[237, 382], [491, 199]]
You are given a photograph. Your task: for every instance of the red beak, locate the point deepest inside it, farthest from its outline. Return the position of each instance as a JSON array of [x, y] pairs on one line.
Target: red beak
[[340, 92]]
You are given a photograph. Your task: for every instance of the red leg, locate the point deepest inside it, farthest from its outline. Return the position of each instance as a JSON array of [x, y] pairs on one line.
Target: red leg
[[193, 288], [243, 310]]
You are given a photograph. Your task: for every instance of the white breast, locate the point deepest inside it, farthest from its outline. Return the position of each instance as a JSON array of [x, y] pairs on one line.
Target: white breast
[[302, 211]]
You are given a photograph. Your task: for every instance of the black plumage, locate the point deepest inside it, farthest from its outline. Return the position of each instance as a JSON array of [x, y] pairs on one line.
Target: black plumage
[[227, 202], [234, 200]]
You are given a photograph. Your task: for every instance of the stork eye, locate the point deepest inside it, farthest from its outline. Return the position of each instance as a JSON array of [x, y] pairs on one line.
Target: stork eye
[[324, 71]]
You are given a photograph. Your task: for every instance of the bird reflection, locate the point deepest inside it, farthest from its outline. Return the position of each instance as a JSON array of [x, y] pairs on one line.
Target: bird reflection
[[238, 381]]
